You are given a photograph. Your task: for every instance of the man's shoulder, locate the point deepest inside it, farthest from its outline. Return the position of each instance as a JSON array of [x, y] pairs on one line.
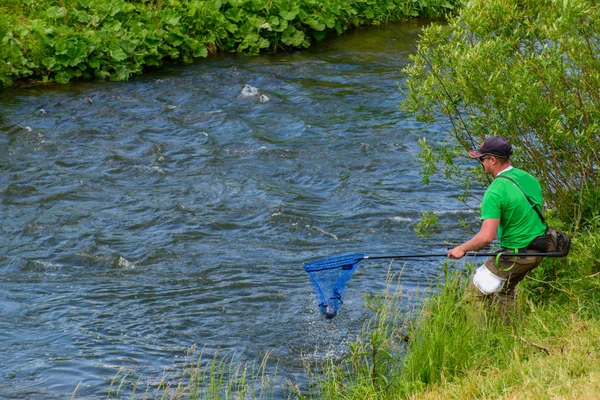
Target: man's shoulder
[[520, 175], [497, 188], [516, 172], [525, 180]]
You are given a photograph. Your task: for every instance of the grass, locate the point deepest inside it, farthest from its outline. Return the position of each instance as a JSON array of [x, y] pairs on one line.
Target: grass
[[553, 354], [563, 363], [219, 377]]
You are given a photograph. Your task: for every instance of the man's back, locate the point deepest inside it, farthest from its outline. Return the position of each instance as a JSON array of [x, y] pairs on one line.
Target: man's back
[[519, 223]]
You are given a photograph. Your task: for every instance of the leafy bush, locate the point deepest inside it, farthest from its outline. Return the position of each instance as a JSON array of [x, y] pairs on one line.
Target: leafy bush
[[65, 39], [528, 71]]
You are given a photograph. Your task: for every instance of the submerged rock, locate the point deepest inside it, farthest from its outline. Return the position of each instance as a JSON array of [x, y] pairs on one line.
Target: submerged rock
[[249, 91]]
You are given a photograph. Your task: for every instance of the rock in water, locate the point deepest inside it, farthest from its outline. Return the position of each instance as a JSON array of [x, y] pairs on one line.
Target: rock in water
[[249, 91]]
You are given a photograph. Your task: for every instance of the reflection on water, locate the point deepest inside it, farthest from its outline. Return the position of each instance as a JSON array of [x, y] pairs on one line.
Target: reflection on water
[[141, 218]]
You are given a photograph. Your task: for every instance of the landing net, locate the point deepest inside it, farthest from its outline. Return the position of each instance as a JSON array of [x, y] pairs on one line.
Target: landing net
[[329, 278]]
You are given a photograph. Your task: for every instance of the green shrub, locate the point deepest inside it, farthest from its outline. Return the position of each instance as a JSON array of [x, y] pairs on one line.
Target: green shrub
[[62, 40], [528, 71]]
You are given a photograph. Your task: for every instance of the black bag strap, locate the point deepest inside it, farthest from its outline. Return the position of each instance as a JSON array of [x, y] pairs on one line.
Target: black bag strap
[[533, 205]]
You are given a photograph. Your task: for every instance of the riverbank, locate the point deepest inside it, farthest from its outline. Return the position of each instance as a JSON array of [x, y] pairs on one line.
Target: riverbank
[[553, 354], [105, 39]]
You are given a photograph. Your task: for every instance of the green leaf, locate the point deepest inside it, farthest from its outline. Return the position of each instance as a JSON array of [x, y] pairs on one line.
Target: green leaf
[[82, 16], [201, 51], [127, 8], [234, 14], [153, 60], [61, 47], [197, 48], [48, 62], [170, 17], [121, 73], [115, 8], [288, 13], [86, 3], [76, 49], [62, 59], [319, 35], [128, 46], [102, 74], [314, 22], [21, 31], [139, 57], [63, 77], [117, 53], [56, 12], [175, 39], [256, 22], [36, 25], [263, 43], [292, 37], [231, 28], [152, 41]]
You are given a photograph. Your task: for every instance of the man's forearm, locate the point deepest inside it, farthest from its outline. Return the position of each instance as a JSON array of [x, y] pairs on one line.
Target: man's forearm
[[475, 243]]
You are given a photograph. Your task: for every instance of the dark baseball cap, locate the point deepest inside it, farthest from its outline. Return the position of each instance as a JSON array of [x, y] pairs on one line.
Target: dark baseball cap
[[494, 146]]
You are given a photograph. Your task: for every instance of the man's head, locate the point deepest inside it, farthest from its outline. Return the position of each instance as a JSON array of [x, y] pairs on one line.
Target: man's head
[[497, 150], [496, 146]]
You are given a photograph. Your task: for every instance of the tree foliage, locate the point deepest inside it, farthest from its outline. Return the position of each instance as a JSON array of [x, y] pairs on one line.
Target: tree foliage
[[526, 70]]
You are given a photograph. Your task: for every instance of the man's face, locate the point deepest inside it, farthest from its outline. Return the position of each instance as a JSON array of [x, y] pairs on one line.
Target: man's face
[[486, 161]]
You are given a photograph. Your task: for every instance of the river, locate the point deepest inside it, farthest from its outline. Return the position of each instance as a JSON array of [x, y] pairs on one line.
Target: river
[[141, 218]]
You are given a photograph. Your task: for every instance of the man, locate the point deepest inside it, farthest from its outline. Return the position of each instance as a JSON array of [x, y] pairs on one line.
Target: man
[[506, 212]]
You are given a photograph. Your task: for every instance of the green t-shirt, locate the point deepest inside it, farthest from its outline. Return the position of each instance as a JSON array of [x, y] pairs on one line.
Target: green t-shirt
[[519, 223]]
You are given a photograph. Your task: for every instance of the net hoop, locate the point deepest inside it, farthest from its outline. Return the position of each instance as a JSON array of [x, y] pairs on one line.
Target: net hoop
[[333, 262]]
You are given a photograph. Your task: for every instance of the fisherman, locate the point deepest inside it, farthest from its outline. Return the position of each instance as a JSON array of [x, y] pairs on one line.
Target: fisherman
[[507, 213]]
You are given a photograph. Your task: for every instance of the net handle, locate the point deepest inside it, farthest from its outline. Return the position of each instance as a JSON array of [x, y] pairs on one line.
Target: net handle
[[473, 254]]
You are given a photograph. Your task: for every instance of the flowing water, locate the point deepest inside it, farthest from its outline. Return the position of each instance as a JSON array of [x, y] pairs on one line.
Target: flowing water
[[141, 218]]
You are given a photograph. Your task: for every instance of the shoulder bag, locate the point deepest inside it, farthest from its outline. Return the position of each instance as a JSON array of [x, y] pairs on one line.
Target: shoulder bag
[[558, 242]]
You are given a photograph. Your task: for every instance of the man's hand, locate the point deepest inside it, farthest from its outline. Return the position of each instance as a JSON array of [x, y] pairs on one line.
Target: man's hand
[[486, 234], [457, 252]]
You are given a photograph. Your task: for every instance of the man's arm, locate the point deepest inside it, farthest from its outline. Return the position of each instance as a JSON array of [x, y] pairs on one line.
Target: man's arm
[[486, 234]]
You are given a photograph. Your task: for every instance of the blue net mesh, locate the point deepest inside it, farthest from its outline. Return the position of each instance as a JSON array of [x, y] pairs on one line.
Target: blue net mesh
[[329, 278]]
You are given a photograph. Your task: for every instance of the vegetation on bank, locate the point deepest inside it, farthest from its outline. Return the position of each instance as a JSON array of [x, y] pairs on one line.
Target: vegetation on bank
[[61, 40]]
